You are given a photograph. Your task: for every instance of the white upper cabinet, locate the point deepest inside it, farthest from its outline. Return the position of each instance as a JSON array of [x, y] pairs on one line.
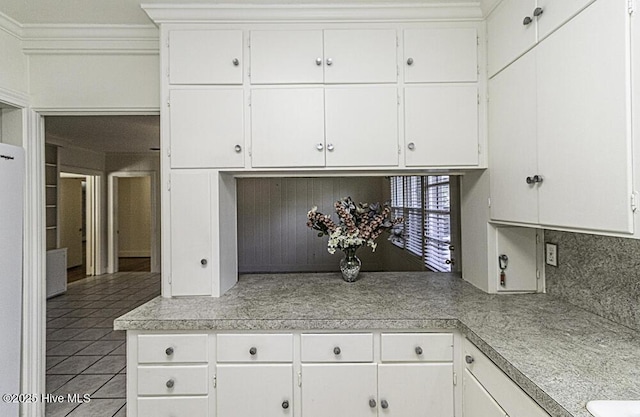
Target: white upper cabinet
[[207, 128], [287, 127], [205, 57], [287, 56], [517, 25], [441, 125], [336, 56], [360, 56], [361, 126], [440, 55]]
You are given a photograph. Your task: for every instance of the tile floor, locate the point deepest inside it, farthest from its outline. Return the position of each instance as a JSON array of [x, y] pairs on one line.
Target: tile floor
[[84, 354]]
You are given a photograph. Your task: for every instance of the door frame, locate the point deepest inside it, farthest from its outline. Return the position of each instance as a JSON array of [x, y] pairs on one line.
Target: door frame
[[112, 223]]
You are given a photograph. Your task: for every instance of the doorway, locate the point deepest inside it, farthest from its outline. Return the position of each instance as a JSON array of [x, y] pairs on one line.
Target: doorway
[[132, 231]]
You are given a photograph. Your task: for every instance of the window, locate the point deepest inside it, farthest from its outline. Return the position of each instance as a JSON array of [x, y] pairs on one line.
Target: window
[[425, 204]]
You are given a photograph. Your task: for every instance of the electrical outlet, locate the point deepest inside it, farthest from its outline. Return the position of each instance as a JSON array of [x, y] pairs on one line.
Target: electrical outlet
[[551, 254]]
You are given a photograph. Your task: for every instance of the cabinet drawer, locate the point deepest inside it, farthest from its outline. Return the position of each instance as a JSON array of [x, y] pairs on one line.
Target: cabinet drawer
[[161, 348], [172, 406], [255, 348], [337, 347], [418, 347], [506, 393], [172, 380]]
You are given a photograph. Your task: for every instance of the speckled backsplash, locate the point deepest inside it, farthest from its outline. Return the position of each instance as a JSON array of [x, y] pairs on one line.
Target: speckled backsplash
[[598, 273]]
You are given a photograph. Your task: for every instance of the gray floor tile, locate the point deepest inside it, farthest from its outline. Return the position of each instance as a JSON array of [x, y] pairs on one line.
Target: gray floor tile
[[63, 334], [53, 382], [122, 350], [122, 412], [61, 322], [105, 312], [58, 312], [107, 365], [98, 408], [68, 348], [101, 347], [81, 312], [85, 322], [115, 388], [104, 323], [58, 409], [115, 335], [54, 360], [100, 304], [53, 343], [84, 384], [73, 365], [92, 334]]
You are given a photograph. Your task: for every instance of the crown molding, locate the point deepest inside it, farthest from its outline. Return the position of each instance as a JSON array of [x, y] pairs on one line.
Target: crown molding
[[11, 26], [98, 39], [14, 98], [369, 12]]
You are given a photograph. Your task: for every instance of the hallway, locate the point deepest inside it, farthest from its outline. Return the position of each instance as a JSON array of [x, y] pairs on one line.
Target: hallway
[[84, 354]]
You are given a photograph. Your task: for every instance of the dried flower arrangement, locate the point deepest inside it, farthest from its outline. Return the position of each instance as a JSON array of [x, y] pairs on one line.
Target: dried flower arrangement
[[359, 224]]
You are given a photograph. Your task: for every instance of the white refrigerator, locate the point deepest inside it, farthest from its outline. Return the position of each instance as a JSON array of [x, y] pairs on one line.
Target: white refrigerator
[[12, 174]]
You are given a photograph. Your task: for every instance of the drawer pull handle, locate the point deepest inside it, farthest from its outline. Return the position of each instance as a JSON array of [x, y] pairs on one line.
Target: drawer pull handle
[[253, 351], [418, 350], [203, 262], [469, 359], [285, 404], [169, 351], [384, 404], [336, 350], [170, 383], [527, 21], [372, 403], [236, 62]]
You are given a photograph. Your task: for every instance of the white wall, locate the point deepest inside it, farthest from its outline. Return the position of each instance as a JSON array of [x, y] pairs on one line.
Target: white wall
[[134, 217], [13, 69], [99, 82], [11, 127]]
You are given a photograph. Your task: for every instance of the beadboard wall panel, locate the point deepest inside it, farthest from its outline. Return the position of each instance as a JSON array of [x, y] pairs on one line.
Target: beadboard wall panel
[[272, 216]]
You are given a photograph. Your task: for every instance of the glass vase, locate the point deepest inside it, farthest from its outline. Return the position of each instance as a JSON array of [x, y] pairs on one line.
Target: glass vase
[[350, 265]]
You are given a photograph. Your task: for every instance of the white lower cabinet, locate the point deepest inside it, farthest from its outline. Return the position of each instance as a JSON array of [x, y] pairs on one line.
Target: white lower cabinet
[[264, 390], [172, 407], [477, 401]]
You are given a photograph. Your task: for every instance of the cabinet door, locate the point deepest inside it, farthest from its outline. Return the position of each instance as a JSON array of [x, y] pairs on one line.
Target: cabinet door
[[441, 125], [286, 57], [361, 126], [476, 401], [254, 390], [513, 142], [191, 233], [508, 36], [419, 390], [287, 127], [339, 390], [207, 128], [585, 121], [440, 55], [205, 57], [360, 56], [557, 12]]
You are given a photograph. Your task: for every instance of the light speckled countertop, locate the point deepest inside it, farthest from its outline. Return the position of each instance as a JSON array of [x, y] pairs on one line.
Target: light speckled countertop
[[561, 355]]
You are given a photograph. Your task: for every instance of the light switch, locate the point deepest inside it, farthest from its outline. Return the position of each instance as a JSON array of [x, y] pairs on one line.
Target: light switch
[[551, 254]]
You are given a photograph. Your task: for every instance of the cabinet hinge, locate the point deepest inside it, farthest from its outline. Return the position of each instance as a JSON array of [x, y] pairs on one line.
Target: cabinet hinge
[[537, 239], [634, 201], [479, 149], [489, 202], [478, 40], [169, 189], [455, 379], [397, 41], [169, 151], [168, 71], [631, 6], [169, 278], [537, 274], [299, 378], [478, 98], [215, 381], [249, 42], [399, 150], [168, 40], [249, 100], [398, 99]]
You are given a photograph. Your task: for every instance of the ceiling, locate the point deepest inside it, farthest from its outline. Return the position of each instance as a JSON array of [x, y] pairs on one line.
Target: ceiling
[[108, 134], [129, 12]]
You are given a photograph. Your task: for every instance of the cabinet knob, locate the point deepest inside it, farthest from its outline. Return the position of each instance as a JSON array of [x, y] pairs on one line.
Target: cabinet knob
[[411, 146], [452, 248], [330, 147], [318, 61], [169, 351], [238, 148], [203, 262], [336, 350], [538, 11], [418, 350], [449, 261], [170, 383], [537, 178], [253, 351], [236, 62], [384, 404], [319, 146], [329, 61], [527, 21], [285, 404], [410, 61], [469, 359], [529, 180], [372, 403]]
